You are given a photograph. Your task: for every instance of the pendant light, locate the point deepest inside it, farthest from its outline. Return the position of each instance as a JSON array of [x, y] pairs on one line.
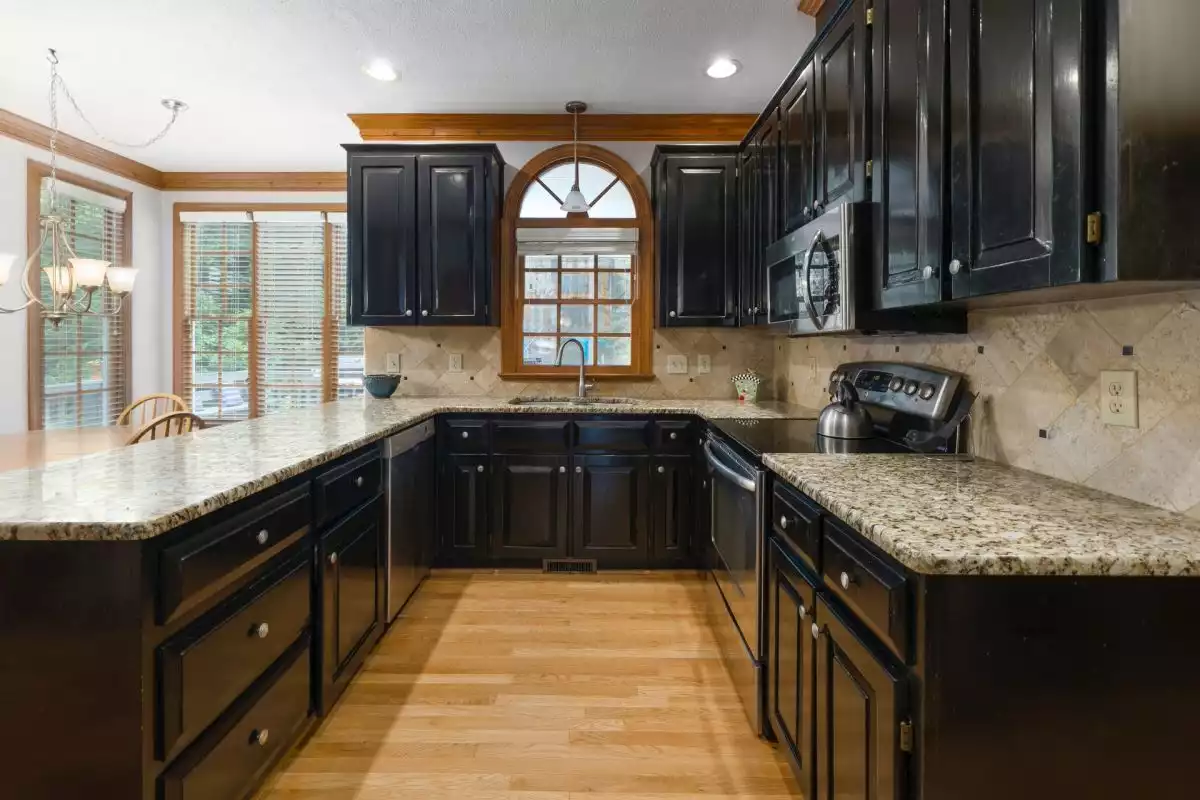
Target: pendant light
[[575, 202]]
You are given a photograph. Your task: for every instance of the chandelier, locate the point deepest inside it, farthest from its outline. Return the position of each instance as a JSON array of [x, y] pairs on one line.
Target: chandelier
[[73, 281]]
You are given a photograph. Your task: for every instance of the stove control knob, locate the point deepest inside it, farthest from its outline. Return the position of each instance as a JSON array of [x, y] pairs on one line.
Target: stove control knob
[[910, 388], [896, 385], [927, 391]]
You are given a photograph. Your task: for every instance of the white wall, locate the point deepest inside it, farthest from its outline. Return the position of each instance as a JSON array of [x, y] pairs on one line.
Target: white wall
[[150, 347]]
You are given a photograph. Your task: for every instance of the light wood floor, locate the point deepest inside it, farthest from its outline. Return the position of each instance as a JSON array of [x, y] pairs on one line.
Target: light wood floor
[[533, 687]]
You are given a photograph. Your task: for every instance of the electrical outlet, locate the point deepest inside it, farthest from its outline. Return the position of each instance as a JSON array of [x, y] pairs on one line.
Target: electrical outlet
[[677, 365], [456, 362], [1119, 398], [703, 365], [393, 364]]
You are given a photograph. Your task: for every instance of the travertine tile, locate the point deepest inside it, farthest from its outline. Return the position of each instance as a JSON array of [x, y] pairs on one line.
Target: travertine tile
[[1159, 467], [1032, 402], [1128, 319], [1170, 351], [1013, 339], [1081, 347]]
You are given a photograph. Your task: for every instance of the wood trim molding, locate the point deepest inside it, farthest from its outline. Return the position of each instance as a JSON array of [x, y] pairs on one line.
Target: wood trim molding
[[810, 7], [254, 181], [512, 316], [26, 130], [694, 128]]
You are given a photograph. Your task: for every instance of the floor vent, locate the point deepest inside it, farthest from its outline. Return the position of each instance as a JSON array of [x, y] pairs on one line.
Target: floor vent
[[570, 565]]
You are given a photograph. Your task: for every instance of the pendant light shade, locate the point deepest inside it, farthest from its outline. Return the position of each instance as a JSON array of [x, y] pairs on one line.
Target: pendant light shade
[[575, 202]]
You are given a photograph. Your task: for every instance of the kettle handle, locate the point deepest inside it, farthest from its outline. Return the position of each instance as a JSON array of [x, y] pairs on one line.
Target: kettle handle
[[847, 395]]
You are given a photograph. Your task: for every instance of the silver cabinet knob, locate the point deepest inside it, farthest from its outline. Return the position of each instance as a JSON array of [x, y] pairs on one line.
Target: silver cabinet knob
[[671, 314], [260, 737], [424, 312], [408, 312], [703, 484], [578, 470], [479, 468], [562, 469], [846, 580], [661, 470], [783, 522], [262, 536], [927, 273], [333, 558], [807, 210], [803, 611], [816, 632], [466, 435], [674, 435], [261, 630], [358, 481], [955, 267]]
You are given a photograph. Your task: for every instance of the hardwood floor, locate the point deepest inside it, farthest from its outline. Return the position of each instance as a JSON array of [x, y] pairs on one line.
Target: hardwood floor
[[539, 687]]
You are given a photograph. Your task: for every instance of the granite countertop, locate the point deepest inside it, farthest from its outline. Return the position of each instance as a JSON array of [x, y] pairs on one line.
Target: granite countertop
[[947, 515], [141, 491]]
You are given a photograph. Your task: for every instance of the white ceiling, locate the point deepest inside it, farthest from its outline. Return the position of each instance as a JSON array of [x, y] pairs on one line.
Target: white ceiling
[[270, 82]]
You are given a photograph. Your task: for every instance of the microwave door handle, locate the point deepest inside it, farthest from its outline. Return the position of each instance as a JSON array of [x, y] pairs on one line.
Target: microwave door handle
[[741, 481], [804, 281]]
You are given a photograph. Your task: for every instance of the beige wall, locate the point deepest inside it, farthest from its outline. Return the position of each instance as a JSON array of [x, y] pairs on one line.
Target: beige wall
[[425, 358], [1038, 368]]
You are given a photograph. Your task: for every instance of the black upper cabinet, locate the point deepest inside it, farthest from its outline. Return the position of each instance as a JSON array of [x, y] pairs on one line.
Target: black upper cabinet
[[840, 72], [611, 517], [766, 220], [908, 73], [423, 225], [531, 506], [749, 245], [1018, 154], [797, 118], [696, 216]]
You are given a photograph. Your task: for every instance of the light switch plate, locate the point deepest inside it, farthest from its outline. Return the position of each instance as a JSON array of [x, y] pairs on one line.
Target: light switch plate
[[703, 364], [393, 364], [456, 362], [1119, 398], [677, 365]]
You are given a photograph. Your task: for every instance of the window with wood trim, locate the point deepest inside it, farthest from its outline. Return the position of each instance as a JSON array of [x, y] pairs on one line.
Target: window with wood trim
[[578, 276], [79, 370], [263, 311]]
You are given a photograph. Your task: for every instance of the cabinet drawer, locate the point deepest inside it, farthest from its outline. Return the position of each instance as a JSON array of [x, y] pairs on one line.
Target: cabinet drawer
[[675, 436], [206, 667], [542, 437], [200, 566], [631, 436], [235, 753], [347, 486], [874, 588], [465, 436], [797, 520]]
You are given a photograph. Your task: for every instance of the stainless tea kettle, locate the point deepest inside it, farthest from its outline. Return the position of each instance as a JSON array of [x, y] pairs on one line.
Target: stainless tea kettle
[[846, 417]]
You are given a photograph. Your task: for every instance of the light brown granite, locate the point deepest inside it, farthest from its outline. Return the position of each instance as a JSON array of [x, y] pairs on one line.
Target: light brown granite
[[945, 515], [141, 491]]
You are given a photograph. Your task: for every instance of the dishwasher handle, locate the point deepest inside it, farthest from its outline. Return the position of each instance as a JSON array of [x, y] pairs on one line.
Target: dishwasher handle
[[741, 481]]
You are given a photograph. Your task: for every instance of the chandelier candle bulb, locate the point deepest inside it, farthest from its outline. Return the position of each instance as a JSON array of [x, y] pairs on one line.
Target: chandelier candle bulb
[[89, 272], [62, 281], [120, 279]]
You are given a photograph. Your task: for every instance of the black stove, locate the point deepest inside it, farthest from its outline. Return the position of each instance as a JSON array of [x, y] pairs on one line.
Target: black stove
[[759, 436]]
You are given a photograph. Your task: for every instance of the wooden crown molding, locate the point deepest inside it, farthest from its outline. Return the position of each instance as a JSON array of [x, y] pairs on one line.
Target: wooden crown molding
[[25, 130], [254, 181], [810, 7], [694, 128]]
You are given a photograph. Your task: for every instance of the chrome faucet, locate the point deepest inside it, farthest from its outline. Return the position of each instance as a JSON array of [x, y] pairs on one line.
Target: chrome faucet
[[581, 393]]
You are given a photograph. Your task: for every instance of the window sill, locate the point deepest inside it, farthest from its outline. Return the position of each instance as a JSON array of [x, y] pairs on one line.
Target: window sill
[[574, 376]]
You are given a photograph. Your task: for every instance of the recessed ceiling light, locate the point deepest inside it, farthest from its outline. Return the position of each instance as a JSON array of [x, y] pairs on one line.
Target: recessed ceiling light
[[723, 68], [381, 70]]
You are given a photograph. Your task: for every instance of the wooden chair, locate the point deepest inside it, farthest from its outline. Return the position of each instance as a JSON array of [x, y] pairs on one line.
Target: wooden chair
[[152, 406], [173, 424]]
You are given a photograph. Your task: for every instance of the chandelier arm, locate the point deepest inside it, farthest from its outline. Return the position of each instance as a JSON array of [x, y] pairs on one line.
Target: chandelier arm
[[29, 298]]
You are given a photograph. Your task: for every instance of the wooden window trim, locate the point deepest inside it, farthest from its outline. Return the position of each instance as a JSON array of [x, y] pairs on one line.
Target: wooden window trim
[[642, 354], [36, 171], [329, 386]]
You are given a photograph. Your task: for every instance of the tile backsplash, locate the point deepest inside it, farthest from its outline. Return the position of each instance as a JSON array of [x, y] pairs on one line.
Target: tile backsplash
[[425, 360], [1037, 370]]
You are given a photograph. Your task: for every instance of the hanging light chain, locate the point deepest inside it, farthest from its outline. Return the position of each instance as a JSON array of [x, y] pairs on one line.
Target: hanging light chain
[[52, 57]]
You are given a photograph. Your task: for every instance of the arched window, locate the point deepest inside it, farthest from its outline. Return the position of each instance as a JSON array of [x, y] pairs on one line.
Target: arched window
[[582, 276]]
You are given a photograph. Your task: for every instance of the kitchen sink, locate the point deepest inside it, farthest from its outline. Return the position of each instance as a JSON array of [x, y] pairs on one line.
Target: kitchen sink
[[572, 401]]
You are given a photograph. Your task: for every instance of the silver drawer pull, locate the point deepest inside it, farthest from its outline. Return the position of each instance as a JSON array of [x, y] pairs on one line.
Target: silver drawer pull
[[816, 632], [466, 435], [358, 481], [479, 468], [333, 558], [674, 435], [261, 630], [661, 470], [262, 536], [260, 737], [783, 522], [578, 470], [562, 469], [846, 580]]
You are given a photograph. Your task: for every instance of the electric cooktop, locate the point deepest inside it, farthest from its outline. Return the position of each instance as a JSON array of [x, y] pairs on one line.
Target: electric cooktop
[[760, 436]]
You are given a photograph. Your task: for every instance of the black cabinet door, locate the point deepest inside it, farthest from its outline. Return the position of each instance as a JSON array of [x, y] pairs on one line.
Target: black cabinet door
[[840, 71], [463, 490], [908, 58], [698, 260], [673, 495], [791, 667], [352, 593], [531, 507], [382, 220], [1017, 153], [797, 126], [749, 241], [767, 221], [610, 519], [455, 249], [860, 703]]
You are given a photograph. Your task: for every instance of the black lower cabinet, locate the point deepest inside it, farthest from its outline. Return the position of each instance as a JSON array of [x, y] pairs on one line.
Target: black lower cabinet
[[791, 666], [611, 516], [673, 490], [861, 729], [529, 519], [351, 588], [463, 491]]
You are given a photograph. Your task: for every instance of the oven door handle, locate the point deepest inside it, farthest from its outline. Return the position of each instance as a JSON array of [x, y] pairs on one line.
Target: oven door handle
[[741, 481], [804, 281]]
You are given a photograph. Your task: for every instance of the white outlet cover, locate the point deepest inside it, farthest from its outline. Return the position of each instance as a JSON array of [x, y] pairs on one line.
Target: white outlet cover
[[677, 365], [1119, 398], [455, 362], [393, 364], [703, 364]]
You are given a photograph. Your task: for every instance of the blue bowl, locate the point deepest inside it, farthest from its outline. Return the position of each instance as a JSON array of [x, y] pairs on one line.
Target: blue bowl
[[381, 386]]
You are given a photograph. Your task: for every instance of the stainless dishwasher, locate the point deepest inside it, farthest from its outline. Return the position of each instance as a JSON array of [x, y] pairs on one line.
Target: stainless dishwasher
[[410, 460]]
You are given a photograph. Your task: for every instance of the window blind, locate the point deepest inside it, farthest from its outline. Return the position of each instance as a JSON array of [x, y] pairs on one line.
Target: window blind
[[85, 360]]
